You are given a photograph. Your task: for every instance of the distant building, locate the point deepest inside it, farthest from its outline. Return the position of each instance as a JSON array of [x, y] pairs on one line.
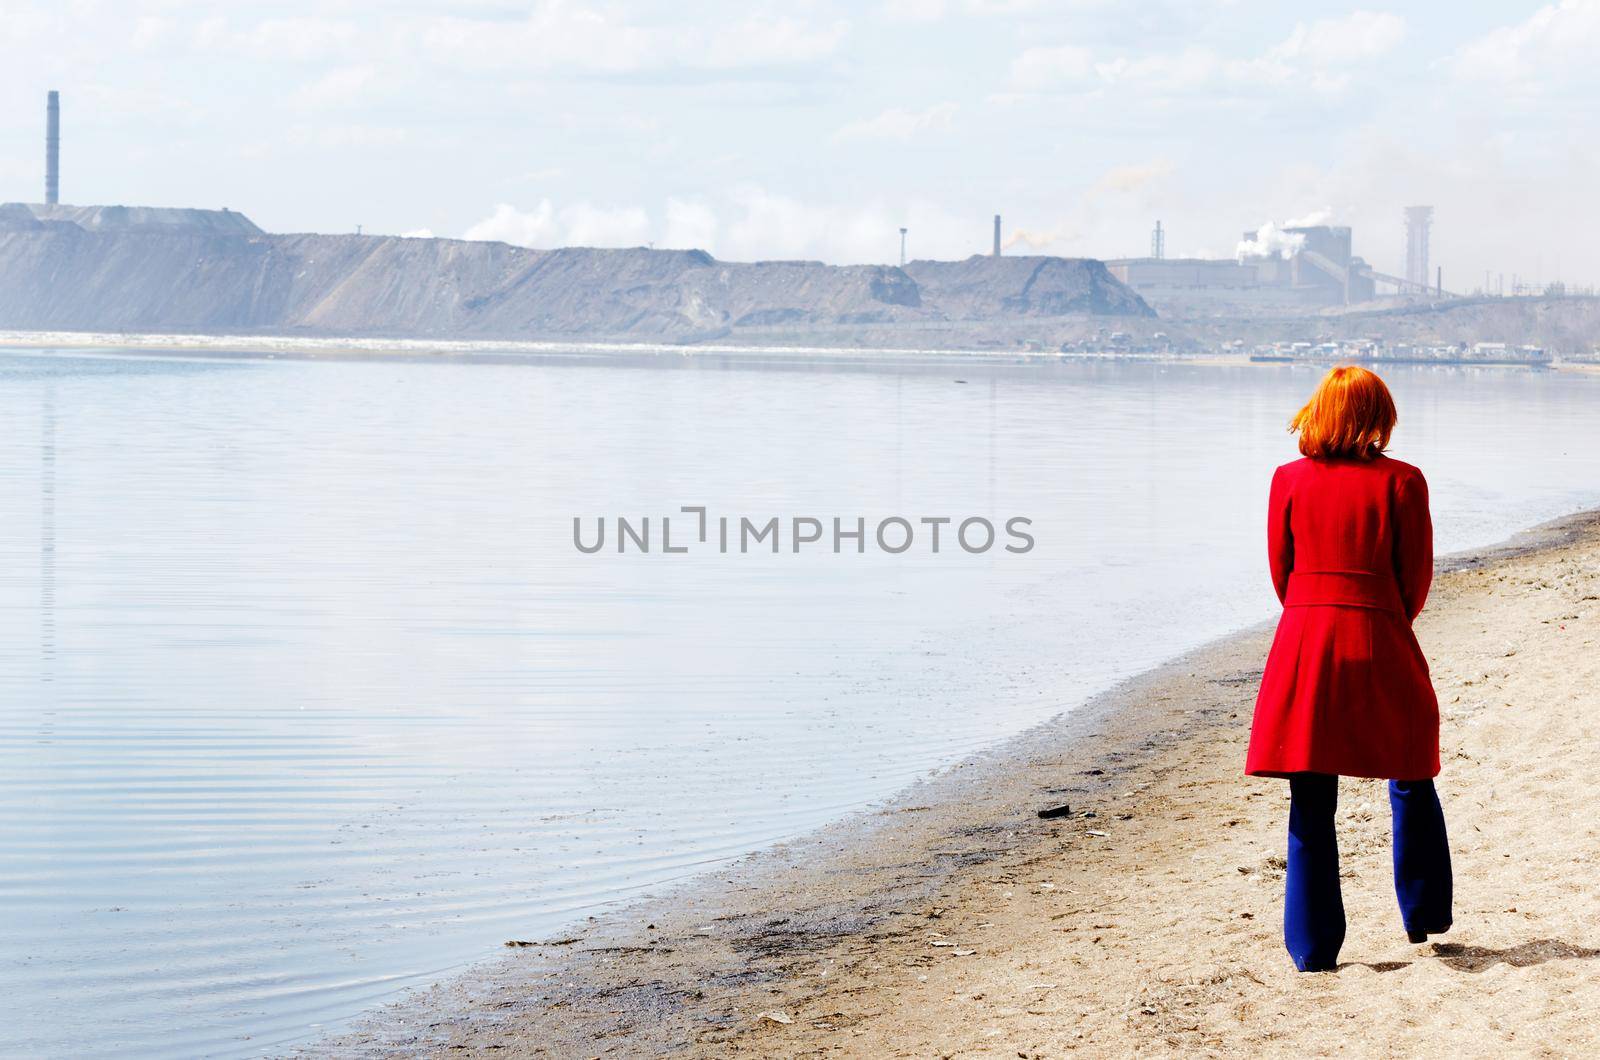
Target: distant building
[[1313, 266], [1148, 273]]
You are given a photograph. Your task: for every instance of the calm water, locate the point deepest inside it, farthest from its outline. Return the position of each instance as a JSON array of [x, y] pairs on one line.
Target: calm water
[[308, 697]]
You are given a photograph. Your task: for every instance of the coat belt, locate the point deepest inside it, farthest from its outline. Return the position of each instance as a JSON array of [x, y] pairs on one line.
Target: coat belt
[[1346, 588]]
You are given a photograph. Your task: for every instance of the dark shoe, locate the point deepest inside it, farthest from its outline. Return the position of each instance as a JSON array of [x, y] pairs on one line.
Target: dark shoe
[[1418, 937]]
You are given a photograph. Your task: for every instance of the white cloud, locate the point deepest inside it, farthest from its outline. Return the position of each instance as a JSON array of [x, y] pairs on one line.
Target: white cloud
[[1548, 44], [599, 226], [353, 134], [580, 225], [1326, 53], [149, 32], [1127, 179], [1170, 72], [933, 10], [554, 35], [536, 176], [1318, 56], [132, 103], [1003, 7], [914, 10], [1041, 69], [898, 124], [1359, 36], [769, 225], [311, 38], [318, 136], [558, 35], [548, 36], [746, 223], [535, 228], [1320, 216], [766, 40], [337, 88], [690, 225]]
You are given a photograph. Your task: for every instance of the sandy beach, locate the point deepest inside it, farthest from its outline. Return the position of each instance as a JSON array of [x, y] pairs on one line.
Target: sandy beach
[[956, 922]]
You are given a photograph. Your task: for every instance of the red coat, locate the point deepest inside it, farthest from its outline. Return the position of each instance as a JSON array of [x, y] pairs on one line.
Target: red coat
[[1346, 687]]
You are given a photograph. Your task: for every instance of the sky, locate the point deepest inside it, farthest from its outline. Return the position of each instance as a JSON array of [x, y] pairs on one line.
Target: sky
[[818, 128]]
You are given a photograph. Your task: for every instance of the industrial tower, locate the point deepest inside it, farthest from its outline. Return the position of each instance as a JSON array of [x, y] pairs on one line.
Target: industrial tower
[[1419, 219], [52, 148]]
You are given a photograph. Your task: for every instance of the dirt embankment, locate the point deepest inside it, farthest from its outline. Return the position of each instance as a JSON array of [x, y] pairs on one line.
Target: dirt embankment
[[118, 269]]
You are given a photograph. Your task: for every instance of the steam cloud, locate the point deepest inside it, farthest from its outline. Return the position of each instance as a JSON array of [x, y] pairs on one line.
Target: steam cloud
[[1039, 240], [1270, 240], [1310, 220]]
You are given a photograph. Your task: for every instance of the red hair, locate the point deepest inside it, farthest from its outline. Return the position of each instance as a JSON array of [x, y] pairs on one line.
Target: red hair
[[1350, 415]]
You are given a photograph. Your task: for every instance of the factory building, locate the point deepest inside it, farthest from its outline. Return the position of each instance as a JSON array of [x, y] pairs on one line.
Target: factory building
[[1150, 273], [1323, 263], [1302, 265]]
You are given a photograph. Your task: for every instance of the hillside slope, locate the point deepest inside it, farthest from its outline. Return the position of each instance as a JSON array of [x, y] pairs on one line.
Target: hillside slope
[[984, 288], [133, 269]]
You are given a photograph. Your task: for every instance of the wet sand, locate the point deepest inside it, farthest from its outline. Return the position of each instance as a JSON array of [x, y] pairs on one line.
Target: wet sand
[[956, 922]]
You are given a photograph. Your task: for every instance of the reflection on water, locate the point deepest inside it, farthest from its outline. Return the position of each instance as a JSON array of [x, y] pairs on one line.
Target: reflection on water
[[309, 697]]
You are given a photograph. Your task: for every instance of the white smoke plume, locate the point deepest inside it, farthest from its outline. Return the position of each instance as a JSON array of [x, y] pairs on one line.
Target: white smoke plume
[[1270, 240], [1312, 219], [1040, 240]]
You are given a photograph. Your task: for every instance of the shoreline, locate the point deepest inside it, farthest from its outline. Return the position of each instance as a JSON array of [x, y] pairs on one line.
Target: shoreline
[[576, 350], [953, 920], [616, 352]]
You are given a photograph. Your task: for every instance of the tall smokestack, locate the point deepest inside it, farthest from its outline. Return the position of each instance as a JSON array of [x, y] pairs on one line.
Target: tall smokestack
[[997, 235], [52, 148]]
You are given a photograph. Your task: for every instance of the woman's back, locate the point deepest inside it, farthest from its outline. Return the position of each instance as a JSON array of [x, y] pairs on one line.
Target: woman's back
[[1339, 512], [1350, 516]]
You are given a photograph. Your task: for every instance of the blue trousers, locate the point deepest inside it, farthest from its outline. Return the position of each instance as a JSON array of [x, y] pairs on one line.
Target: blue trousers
[[1313, 911]]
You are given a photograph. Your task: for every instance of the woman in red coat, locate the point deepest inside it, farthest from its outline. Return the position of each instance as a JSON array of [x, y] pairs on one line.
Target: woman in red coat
[[1346, 689]]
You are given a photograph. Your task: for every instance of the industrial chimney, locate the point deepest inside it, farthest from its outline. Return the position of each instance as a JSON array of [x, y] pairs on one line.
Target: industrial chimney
[[52, 149], [997, 235]]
